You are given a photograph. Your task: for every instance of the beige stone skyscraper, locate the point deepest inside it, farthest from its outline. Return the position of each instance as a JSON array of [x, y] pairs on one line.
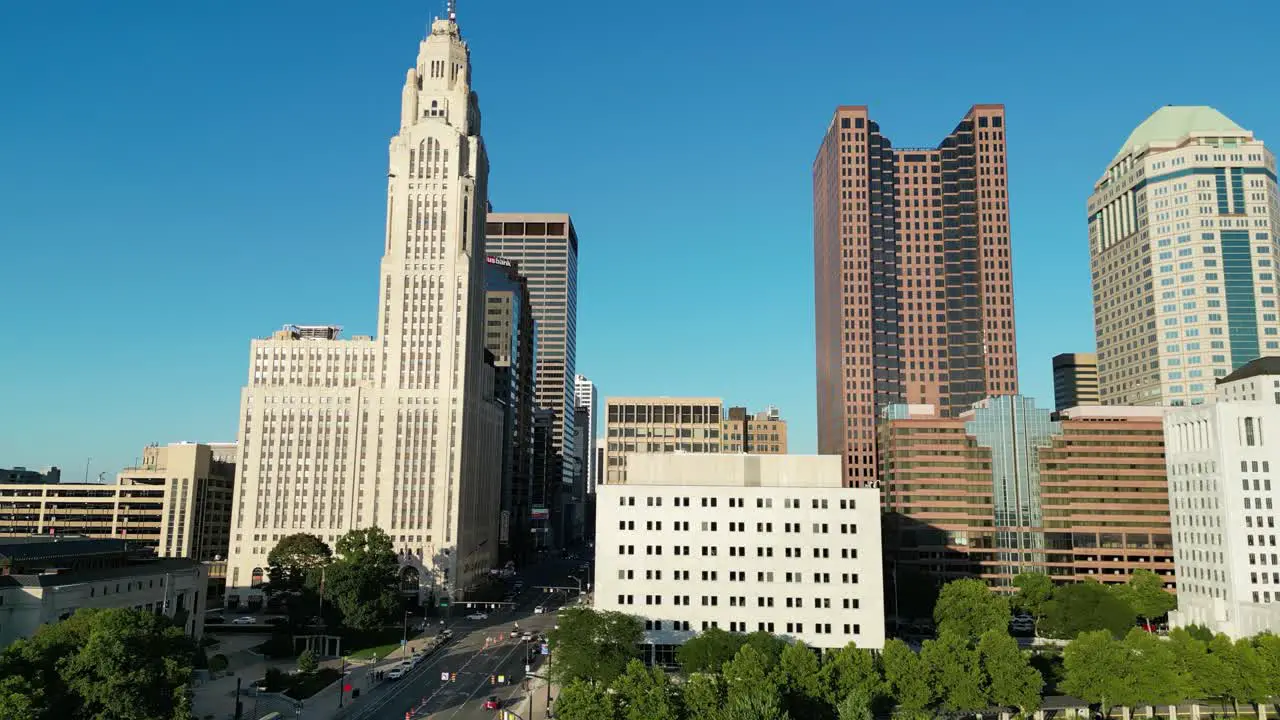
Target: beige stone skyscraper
[[399, 430]]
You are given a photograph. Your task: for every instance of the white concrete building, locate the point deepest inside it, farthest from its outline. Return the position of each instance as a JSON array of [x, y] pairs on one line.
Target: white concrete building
[[47, 579], [401, 430], [585, 396], [1224, 496], [743, 543], [1182, 241]]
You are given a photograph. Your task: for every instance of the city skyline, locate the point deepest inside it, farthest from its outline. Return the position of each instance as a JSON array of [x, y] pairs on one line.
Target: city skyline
[[105, 410]]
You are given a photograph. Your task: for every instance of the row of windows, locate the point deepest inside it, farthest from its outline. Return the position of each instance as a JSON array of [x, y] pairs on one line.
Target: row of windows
[[713, 526], [741, 626], [741, 576], [789, 503]]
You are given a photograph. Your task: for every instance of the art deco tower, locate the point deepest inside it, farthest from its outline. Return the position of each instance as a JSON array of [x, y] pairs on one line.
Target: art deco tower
[[400, 430]]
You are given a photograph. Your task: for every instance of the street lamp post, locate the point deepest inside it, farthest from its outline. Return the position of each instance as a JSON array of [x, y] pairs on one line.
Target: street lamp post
[[404, 642]]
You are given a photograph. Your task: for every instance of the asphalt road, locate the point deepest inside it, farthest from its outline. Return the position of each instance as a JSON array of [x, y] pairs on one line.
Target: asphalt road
[[480, 649]]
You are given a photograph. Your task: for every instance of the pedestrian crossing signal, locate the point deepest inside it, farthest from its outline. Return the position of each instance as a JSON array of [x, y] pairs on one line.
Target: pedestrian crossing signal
[[493, 680], [453, 677]]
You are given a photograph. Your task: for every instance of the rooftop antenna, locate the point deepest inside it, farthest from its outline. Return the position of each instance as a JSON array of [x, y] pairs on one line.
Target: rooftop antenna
[[452, 10]]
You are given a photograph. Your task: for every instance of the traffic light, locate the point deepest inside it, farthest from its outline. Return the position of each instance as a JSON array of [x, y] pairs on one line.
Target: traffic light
[[453, 677]]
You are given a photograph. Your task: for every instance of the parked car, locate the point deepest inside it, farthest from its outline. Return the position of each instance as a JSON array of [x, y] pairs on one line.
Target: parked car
[[539, 610], [491, 703], [243, 621], [395, 673], [478, 616], [527, 636]]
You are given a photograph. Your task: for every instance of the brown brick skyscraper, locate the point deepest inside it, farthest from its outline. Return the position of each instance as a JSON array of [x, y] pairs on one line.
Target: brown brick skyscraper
[[911, 276]]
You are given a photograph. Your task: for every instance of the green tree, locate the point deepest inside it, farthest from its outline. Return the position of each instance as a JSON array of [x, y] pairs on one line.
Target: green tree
[[1191, 659], [1145, 593], [1084, 607], [1097, 668], [857, 705], [294, 558], [1157, 675], [19, 699], [755, 703], [769, 646], [307, 662], [708, 651], [953, 664], [1199, 632], [1243, 675], [704, 697], [750, 668], [362, 581], [584, 700], [851, 670], [968, 608], [218, 663], [909, 679], [802, 682], [119, 663], [591, 645], [1268, 647], [645, 694], [1034, 591], [1011, 680]]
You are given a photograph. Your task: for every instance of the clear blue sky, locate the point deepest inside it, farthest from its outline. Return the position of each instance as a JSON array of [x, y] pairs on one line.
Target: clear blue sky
[[179, 177]]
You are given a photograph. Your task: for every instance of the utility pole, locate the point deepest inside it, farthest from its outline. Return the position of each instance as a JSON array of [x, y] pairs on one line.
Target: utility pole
[[239, 707]]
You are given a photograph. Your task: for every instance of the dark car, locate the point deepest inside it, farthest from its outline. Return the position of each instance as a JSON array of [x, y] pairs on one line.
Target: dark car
[[492, 703]]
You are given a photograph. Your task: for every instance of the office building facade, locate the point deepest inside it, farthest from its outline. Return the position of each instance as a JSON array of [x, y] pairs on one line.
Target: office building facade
[[762, 433], [1182, 246], [744, 543], [46, 580], [23, 475], [545, 248], [510, 336], [685, 425], [399, 430], [912, 277], [1224, 486], [1006, 488], [1075, 380], [587, 401], [177, 501]]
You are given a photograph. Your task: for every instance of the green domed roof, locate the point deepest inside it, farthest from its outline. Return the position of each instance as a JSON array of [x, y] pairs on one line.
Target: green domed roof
[[1173, 122]]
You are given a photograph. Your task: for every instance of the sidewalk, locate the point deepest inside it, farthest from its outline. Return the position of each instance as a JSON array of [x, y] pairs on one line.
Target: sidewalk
[[518, 707], [216, 699]]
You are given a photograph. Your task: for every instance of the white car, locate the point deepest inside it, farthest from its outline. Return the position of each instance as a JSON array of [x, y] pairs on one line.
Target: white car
[[527, 636], [539, 610], [243, 621], [395, 673], [478, 616]]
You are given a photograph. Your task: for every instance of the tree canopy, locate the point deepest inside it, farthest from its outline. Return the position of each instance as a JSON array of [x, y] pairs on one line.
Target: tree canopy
[[1034, 591], [121, 663], [1084, 607], [293, 560], [708, 651], [968, 608], [593, 645], [362, 582], [1146, 595], [1011, 681]]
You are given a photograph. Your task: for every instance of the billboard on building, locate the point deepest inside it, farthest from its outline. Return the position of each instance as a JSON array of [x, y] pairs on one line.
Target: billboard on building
[[539, 513]]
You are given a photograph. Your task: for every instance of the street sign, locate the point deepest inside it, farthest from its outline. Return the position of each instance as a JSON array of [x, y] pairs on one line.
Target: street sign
[[444, 677], [545, 650], [403, 643], [502, 679]]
